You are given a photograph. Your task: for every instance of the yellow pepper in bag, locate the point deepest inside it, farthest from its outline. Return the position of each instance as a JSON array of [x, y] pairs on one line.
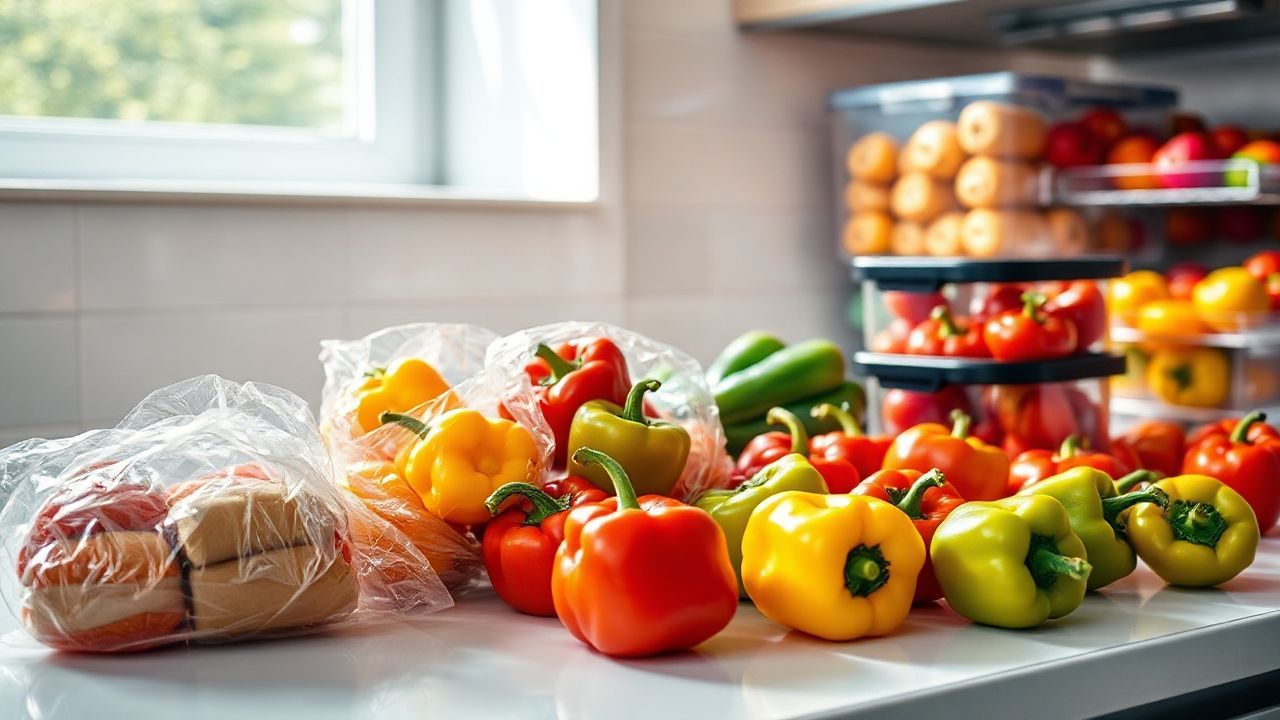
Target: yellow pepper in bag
[[1195, 376], [400, 388], [835, 566], [464, 456]]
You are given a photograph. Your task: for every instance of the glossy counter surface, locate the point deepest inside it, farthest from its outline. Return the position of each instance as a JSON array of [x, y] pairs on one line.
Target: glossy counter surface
[[1135, 643]]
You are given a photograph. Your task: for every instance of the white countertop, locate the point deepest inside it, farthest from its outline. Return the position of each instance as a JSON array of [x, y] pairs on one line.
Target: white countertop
[[1137, 642]]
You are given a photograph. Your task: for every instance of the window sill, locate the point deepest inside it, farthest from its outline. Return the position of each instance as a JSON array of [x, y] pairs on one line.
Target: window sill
[[273, 193]]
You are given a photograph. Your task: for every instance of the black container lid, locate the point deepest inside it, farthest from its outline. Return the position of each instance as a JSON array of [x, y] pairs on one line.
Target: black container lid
[[926, 274], [924, 373], [1045, 90]]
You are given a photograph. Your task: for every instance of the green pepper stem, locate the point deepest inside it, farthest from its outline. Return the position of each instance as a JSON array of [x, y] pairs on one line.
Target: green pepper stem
[[408, 422], [1134, 479], [848, 423], [634, 409], [374, 372], [544, 506], [1196, 522], [559, 366], [865, 570], [1045, 562], [1031, 302], [622, 486], [1113, 506], [910, 503], [1070, 447], [788, 419], [960, 422], [1240, 435], [946, 324]]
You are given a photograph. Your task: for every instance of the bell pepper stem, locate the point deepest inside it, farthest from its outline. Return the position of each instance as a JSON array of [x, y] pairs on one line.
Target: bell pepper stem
[[544, 506], [374, 372], [559, 366], [1113, 506], [1240, 436], [408, 422], [910, 503], [1196, 522], [946, 324], [1046, 563], [1070, 447], [1031, 302], [634, 409], [788, 419], [960, 422], [848, 423], [1134, 479], [865, 570], [622, 486]]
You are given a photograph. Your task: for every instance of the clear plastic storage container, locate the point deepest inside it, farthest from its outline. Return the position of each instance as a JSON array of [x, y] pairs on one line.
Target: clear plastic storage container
[[953, 166], [900, 297]]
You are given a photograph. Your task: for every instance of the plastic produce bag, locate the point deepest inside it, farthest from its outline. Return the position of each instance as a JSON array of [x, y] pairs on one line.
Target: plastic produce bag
[[684, 398], [208, 514]]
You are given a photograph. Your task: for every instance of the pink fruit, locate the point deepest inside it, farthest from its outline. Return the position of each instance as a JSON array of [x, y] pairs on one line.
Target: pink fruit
[[1171, 159]]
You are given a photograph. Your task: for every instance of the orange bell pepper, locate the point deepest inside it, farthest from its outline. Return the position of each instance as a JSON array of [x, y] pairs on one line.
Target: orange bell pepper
[[977, 470]]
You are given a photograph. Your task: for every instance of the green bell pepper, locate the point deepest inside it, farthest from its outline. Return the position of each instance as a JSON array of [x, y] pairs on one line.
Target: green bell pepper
[[732, 508], [745, 351], [652, 453], [848, 393], [1011, 563], [798, 371], [1094, 506]]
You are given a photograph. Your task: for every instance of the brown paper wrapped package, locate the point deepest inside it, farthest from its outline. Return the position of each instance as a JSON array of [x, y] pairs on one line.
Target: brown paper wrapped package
[[218, 522]]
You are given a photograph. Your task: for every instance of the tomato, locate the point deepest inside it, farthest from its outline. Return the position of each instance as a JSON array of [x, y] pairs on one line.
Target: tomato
[[998, 298], [904, 408], [1029, 333], [892, 338], [951, 337], [1182, 278], [1265, 267]]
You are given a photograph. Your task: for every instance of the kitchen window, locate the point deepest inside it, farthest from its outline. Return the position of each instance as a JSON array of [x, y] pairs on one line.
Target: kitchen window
[[362, 97]]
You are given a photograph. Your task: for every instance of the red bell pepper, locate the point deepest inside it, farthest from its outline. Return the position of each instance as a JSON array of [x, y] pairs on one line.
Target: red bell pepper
[[865, 453], [978, 471], [840, 475], [1257, 432], [641, 576], [999, 298], [1250, 468], [892, 338], [942, 334], [903, 409], [1033, 466], [575, 373], [1029, 333], [520, 543], [1043, 416], [1082, 303], [927, 499], [1157, 445], [1265, 267]]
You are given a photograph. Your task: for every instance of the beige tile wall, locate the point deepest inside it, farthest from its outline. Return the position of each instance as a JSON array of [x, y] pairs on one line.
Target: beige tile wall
[[715, 218]]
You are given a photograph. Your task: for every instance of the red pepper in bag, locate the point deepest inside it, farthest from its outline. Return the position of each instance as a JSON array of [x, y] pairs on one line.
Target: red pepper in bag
[[927, 499], [641, 576], [1029, 333], [942, 334], [1082, 303], [520, 543], [1157, 445], [1250, 468], [865, 453], [840, 474], [1033, 466], [575, 373]]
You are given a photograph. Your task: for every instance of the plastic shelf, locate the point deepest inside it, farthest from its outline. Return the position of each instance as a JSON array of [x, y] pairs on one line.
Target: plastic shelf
[[930, 373], [1204, 179]]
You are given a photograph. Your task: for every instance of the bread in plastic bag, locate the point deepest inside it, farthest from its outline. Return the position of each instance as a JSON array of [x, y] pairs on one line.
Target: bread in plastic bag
[[208, 514], [684, 399]]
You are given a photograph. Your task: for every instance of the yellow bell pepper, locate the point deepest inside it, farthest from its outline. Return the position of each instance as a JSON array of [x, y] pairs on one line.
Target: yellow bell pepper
[[402, 387], [1194, 376], [835, 566], [1206, 536], [1128, 294], [1230, 299], [464, 456]]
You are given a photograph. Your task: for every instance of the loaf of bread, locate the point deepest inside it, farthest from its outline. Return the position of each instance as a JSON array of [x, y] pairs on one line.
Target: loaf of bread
[[1001, 130], [919, 198], [985, 182], [934, 150], [1068, 232], [907, 239], [942, 237], [989, 233]]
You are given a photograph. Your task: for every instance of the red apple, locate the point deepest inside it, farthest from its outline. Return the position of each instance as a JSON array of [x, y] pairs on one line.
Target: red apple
[[1071, 145], [1228, 138], [1262, 152], [1182, 278], [1239, 222], [1105, 124], [1186, 226], [1171, 159], [1136, 148]]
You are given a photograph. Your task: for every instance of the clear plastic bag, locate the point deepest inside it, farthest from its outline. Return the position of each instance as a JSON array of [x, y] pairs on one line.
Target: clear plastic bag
[[208, 514], [684, 398]]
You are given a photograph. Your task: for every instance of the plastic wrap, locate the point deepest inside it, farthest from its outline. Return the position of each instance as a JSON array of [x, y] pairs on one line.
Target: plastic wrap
[[684, 398], [208, 514], [367, 461]]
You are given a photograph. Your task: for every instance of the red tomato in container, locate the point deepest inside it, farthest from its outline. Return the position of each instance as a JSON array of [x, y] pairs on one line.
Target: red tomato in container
[[913, 307], [1081, 303], [902, 409]]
